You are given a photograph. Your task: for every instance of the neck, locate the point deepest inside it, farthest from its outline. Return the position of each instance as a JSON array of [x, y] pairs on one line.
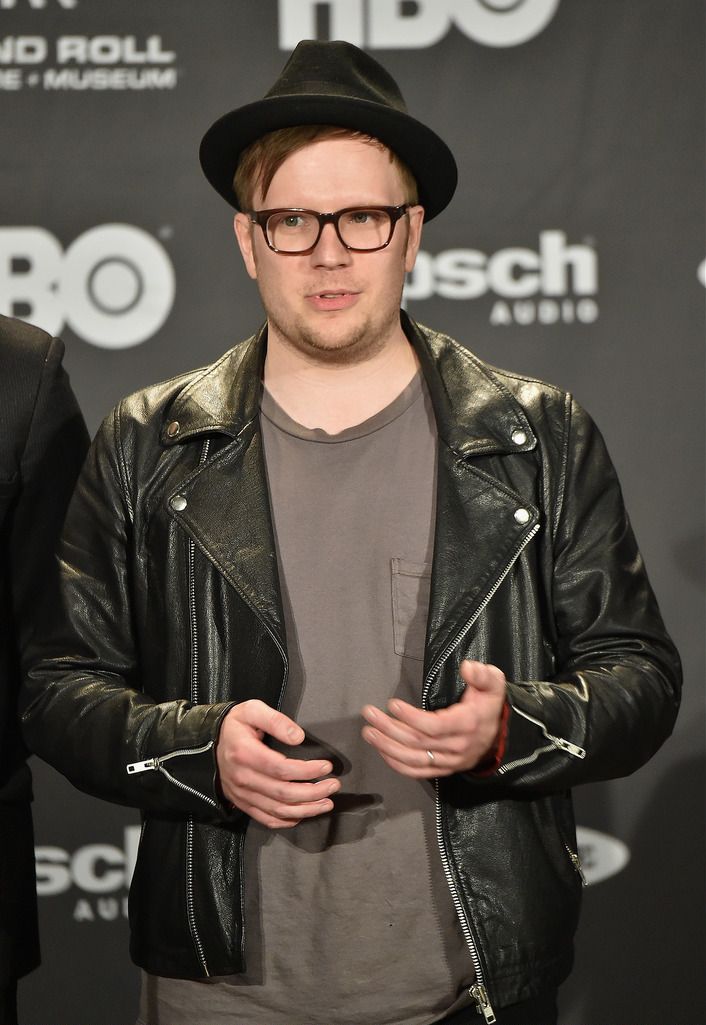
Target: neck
[[336, 397]]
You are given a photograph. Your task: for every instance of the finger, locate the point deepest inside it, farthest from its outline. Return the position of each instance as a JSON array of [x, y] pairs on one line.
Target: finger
[[274, 816], [393, 727], [241, 744], [481, 676], [412, 757], [427, 771], [286, 802], [263, 717], [446, 729], [284, 812], [429, 725], [253, 754], [264, 788]]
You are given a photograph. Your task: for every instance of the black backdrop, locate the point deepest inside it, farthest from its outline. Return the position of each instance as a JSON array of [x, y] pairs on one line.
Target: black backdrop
[[573, 251]]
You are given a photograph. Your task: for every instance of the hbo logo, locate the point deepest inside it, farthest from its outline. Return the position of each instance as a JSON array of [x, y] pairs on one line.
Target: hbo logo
[[114, 285], [388, 24]]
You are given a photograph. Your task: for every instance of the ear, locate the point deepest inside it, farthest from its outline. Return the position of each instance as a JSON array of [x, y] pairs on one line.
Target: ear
[[415, 215], [244, 233]]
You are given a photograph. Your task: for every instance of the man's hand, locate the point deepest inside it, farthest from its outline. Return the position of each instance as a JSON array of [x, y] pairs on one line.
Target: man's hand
[[275, 790], [425, 744]]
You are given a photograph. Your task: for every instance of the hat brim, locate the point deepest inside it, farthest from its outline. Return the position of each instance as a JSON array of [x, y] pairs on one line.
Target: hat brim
[[427, 156]]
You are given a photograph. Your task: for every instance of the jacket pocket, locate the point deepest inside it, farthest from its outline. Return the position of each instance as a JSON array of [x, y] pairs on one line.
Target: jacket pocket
[[411, 588], [560, 837]]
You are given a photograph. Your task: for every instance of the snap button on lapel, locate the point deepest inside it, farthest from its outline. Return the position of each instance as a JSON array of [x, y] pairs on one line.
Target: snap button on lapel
[[519, 437], [173, 429], [178, 503], [522, 516]]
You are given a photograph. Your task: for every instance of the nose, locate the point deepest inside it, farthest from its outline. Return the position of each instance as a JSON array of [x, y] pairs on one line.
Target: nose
[[329, 251]]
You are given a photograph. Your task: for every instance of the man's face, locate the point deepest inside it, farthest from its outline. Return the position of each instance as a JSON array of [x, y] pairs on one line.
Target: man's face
[[333, 305]]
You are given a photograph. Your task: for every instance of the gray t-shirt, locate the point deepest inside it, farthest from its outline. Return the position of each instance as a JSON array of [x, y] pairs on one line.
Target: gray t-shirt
[[349, 919]]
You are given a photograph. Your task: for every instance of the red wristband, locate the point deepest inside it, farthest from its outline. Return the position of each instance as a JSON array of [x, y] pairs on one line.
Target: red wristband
[[491, 762]]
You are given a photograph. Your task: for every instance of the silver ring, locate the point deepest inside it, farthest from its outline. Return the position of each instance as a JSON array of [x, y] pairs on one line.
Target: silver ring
[[430, 756]]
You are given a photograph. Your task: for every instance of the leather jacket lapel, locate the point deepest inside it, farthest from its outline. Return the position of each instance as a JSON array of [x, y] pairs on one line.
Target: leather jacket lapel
[[481, 525], [224, 504], [227, 513]]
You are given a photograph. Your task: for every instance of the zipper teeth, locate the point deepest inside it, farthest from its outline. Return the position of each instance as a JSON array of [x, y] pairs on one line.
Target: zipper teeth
[[481, 608], [554, 744], [460, 910], [285, 677], [192, 603], [190, 896], [194, 683], [242, 839], [242, 835], [185, 786], [509, 766], [184, 751], [190, 908], [241, 852]]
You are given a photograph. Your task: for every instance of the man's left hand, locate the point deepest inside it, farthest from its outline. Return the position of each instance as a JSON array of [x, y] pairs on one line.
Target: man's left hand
[[458, 738]]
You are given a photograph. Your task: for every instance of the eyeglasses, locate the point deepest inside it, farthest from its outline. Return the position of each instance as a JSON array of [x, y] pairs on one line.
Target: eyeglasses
[[364, 229]]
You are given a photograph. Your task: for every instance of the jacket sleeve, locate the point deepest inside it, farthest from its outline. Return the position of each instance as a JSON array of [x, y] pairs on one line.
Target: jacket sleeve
[[84, 710], [54, 449], [614, 695], [50, 454]]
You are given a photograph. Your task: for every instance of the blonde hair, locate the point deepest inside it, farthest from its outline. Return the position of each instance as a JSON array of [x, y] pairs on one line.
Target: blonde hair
[[261, 160]]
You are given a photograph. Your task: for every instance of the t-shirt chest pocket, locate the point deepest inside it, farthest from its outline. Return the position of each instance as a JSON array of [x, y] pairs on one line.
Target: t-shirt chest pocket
[[411, 588]]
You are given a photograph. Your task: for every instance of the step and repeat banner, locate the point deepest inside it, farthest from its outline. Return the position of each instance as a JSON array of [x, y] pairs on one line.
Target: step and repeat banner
[[573, 251]]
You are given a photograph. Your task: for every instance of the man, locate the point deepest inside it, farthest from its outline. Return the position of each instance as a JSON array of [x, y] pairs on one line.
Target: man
[[348, 511], [43, 440]]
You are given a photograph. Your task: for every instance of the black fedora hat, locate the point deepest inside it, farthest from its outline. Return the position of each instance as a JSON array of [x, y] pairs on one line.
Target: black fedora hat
[[333, 83]]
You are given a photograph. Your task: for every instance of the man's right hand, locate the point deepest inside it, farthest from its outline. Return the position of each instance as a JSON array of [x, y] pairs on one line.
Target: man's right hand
[[275, 790]]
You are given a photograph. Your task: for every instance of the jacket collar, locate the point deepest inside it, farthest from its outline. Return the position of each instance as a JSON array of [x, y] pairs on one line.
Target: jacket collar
[[475, 413], [223, 397]]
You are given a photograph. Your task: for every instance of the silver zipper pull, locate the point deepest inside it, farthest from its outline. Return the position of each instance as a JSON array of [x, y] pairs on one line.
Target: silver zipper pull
[[480, 995], [572, 749], [576, 862], [150, 763]]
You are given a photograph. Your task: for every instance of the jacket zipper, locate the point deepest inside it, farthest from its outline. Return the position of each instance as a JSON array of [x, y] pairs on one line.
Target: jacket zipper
[[480, 995], [285, 676], [576, 862], [157, 764], [555, 743], [478, 991], [193, 626], [194, 699], [285, 663]]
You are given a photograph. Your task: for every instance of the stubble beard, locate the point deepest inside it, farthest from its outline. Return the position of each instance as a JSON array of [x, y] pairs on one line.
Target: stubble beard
[[361, 343]]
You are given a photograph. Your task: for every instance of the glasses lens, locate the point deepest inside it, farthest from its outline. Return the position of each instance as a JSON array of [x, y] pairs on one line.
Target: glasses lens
[[292, 231], [365, 229]]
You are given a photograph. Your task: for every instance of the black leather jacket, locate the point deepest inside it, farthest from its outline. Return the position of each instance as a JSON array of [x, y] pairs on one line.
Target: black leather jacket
[[172, 612]]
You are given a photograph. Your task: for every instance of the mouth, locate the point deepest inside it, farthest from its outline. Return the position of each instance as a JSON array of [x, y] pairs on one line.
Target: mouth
[[332, 299]]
